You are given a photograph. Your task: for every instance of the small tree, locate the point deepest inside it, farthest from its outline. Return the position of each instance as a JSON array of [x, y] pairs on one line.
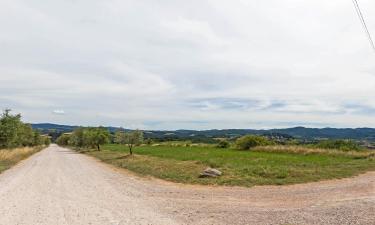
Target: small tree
[[97, 136], [38, 140], [63, 140], [77, 137], [130, 139], [26, 135], [9, 130], [47, 140]]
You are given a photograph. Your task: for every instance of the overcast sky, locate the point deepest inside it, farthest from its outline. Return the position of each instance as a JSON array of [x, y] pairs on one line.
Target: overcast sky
[[198, 64]]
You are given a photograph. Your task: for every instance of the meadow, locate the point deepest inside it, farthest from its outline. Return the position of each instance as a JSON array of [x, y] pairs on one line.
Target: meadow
[[268, 165]]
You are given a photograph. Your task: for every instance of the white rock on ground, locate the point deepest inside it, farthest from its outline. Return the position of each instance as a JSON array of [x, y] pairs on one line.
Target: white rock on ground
[[210, 172]]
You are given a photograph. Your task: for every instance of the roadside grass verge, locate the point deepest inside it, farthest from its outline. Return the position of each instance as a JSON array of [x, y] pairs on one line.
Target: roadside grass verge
[[262, 166], [10, 157]]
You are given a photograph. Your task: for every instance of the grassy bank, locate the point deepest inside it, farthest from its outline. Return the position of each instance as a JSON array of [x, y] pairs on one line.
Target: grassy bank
[[276, 165], [10, 157]]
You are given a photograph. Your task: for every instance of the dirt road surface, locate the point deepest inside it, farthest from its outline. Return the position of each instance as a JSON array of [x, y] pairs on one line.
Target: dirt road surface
[[58, 186]]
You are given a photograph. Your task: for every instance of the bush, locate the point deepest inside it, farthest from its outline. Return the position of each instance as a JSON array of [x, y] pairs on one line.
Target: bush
[[148, 141], [223, 144], [47, 141], [344, 145], [63, 140], [15, 133], [250, 141]]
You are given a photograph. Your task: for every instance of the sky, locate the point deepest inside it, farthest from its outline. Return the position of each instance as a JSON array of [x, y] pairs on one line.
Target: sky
[[199, 64]]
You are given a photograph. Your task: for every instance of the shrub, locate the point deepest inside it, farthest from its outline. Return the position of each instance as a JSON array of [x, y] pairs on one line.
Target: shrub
[[15, 133], [148, 141], [345, 145], [250, 141], [63, 140], [223, 144]]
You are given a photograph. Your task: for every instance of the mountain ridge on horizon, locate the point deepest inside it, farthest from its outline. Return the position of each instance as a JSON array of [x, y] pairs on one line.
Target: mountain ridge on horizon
[[119, 127], [363, 133]]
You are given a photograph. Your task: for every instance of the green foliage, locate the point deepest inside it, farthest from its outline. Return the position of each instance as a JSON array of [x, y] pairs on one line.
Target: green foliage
[[14, 133], [250, 141], [26, 135], [148, 141], [38, 139], [63, 140], [97, 136], [77, 138], [9, 130], [92, 137], [130, 139], [223, 144], [47, 141], [344, 145]]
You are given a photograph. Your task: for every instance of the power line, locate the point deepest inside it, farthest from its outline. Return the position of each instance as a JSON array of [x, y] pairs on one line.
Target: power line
[[361, 18], [363, 22]]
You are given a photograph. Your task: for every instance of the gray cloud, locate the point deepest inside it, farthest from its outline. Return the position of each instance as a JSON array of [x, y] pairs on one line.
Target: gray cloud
[[164, 65]]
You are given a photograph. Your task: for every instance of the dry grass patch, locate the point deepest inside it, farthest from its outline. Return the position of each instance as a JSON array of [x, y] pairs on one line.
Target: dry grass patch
[[295, 149], [9, 157]]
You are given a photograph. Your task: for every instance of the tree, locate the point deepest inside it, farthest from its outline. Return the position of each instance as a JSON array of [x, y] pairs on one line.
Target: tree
[[14, 133], [47, 140], [85, 137], [63, 140], [96, 137], [9, 125], [26, 135], [130, 139], [38, 140], [77, 137]]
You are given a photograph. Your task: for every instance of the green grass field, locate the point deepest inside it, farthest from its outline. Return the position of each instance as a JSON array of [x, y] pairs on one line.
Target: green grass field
[[242, 168]]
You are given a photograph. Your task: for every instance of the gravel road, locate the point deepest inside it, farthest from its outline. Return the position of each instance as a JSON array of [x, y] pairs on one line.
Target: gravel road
[[58, 186]]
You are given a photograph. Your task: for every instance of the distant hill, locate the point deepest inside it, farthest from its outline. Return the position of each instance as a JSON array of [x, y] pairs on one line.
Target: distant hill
[[46, 127], [296, 132], [63, 128], [55, 130]]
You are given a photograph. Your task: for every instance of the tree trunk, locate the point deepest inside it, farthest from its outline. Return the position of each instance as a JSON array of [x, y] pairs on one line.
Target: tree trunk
[[98, 146], [130, 150]]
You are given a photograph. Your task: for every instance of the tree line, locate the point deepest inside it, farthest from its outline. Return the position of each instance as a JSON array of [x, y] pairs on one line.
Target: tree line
[[94, 137], [15, 133]]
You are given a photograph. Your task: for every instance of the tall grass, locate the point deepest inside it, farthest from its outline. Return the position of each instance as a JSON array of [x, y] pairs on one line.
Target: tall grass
[[12, 154], [9, 157], [295, 149], [181, 144]]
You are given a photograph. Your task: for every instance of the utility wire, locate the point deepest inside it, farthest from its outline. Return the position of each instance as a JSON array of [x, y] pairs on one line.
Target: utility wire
[[361, 18]]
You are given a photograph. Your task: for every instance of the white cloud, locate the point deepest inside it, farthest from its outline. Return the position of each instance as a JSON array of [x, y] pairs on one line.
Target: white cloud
[[58, 112]]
